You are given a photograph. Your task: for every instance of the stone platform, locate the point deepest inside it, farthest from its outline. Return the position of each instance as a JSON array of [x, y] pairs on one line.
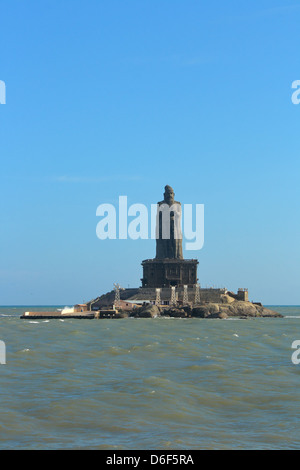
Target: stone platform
[[56, 315], [169, 272]]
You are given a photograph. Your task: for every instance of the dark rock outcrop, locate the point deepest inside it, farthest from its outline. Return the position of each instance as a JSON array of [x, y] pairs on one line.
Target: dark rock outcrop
[[236, 308], [175, 312], [146, 311]]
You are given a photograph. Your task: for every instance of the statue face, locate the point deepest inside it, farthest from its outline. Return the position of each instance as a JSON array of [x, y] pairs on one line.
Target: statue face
[[169, 196]]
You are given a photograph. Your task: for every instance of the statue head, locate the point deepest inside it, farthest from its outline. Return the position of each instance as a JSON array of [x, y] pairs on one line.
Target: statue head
[[169, 195]]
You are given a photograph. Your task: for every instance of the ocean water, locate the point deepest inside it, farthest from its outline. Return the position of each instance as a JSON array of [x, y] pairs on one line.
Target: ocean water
[[149, 383]]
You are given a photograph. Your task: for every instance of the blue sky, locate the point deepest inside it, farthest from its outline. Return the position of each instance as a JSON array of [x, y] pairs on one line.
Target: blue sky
[[108, 98]]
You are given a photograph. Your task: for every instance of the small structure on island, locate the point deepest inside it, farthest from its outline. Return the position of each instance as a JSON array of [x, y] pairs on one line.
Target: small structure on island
[[117, 295]]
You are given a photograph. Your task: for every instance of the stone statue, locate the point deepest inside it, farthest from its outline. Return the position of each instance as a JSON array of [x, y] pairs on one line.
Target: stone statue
[[168, 227]]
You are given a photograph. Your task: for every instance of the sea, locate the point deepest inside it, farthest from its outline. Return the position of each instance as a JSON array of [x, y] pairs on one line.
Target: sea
[[149, 384]]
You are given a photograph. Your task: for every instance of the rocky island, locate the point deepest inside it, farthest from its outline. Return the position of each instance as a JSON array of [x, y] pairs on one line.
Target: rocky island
[[227, 306], [170, 285]]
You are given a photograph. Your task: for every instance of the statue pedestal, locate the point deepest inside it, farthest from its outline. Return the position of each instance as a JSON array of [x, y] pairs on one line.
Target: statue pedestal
[[169, 272]]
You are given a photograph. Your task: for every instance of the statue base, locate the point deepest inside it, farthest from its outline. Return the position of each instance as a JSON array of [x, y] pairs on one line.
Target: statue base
[[169, 272]]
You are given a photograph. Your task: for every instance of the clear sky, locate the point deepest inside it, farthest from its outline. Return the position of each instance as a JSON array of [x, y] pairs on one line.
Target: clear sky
[[112, 97]]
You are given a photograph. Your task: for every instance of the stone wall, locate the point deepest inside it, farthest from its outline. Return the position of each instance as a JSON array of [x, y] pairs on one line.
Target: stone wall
[[206, 295]]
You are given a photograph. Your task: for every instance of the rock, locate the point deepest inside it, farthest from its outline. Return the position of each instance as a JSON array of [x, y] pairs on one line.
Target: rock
[[236, 308], [227, 299], [210, 311], [248, 309], [201, 311], [176, 312], [206, 310], [221, 315], [266, 312], [146, 311], [188, 310], [213, 308], [241, 308]]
